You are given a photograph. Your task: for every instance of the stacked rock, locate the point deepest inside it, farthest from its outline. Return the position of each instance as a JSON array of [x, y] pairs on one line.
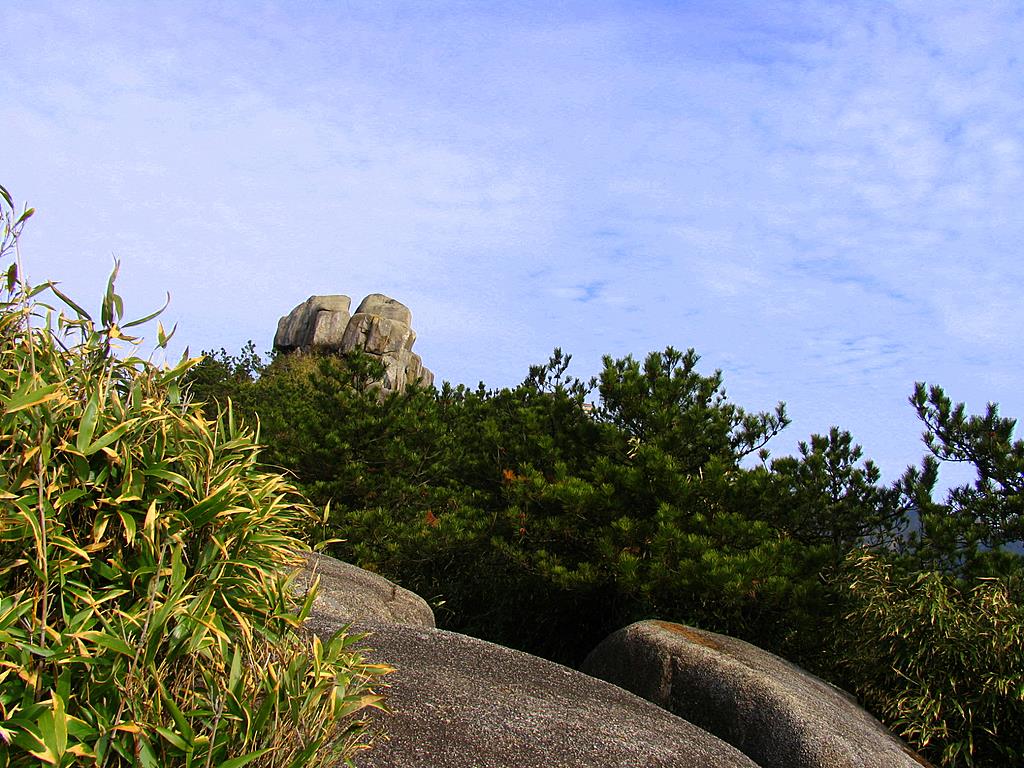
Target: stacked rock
[[381, 327]]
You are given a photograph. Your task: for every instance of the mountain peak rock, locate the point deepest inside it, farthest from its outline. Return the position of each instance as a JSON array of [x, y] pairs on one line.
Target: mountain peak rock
[[381, 327]]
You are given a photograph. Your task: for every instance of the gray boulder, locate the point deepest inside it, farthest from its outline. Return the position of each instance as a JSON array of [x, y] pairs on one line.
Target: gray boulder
[[458, 702], [776, 713], [347, 593], [384, 306], [377, 335], [319, 321], [381, 327]]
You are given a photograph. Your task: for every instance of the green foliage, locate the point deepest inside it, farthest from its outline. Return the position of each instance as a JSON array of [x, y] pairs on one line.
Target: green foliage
[[668, 404], [974, 530], [940, 661], [932, 637], [221, 377], [827, 498], [145, 611], [539, 522]]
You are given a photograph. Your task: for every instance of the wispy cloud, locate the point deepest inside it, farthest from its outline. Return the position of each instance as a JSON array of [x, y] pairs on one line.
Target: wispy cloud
[[821, 198]]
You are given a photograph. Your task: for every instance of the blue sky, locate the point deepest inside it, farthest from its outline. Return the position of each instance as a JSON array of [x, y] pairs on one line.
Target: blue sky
[[823, 199]]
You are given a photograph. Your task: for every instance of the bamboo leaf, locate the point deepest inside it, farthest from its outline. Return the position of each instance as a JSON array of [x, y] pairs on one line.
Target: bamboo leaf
[[60, 726], [149, 523], [235, 675], [19, 401], [78, 309], [238, 762], [177, 570], [112, 436], [69, 497], [146, 753], [69, 545], [173, 738], [163, 337], [150, 316], [207, 509], [128, 521], [37, 748], [109, 641], [108, 311], [87, 424], [171, 477]]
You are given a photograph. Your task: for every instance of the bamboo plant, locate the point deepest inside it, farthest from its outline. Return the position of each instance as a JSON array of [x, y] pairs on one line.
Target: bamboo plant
[[146, 616]]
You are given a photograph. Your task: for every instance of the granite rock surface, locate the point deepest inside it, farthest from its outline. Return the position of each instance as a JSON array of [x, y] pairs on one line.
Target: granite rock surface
[[348, 593], [459, 702], [381, 327], [776, 713]]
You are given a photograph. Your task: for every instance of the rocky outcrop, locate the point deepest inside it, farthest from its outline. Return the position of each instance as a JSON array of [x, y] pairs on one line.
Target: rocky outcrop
[[458, 702], [704, 699], [319, 321], [348, 593], [774, 712], [381, 327]]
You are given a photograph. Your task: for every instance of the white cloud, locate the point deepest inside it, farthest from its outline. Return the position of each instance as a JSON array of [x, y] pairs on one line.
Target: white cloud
[[824, 196]]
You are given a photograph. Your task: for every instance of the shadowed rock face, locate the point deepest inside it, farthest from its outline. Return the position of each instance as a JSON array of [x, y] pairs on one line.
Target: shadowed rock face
[[773, 711], [381, 327], [458, 702]]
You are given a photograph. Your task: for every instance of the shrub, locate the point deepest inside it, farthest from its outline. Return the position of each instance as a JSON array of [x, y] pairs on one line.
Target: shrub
[[542, 524], [145, 612], [939, 661]]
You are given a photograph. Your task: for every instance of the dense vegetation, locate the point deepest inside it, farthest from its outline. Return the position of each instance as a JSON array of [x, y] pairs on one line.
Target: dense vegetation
[[145, 612], [537, 521]]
